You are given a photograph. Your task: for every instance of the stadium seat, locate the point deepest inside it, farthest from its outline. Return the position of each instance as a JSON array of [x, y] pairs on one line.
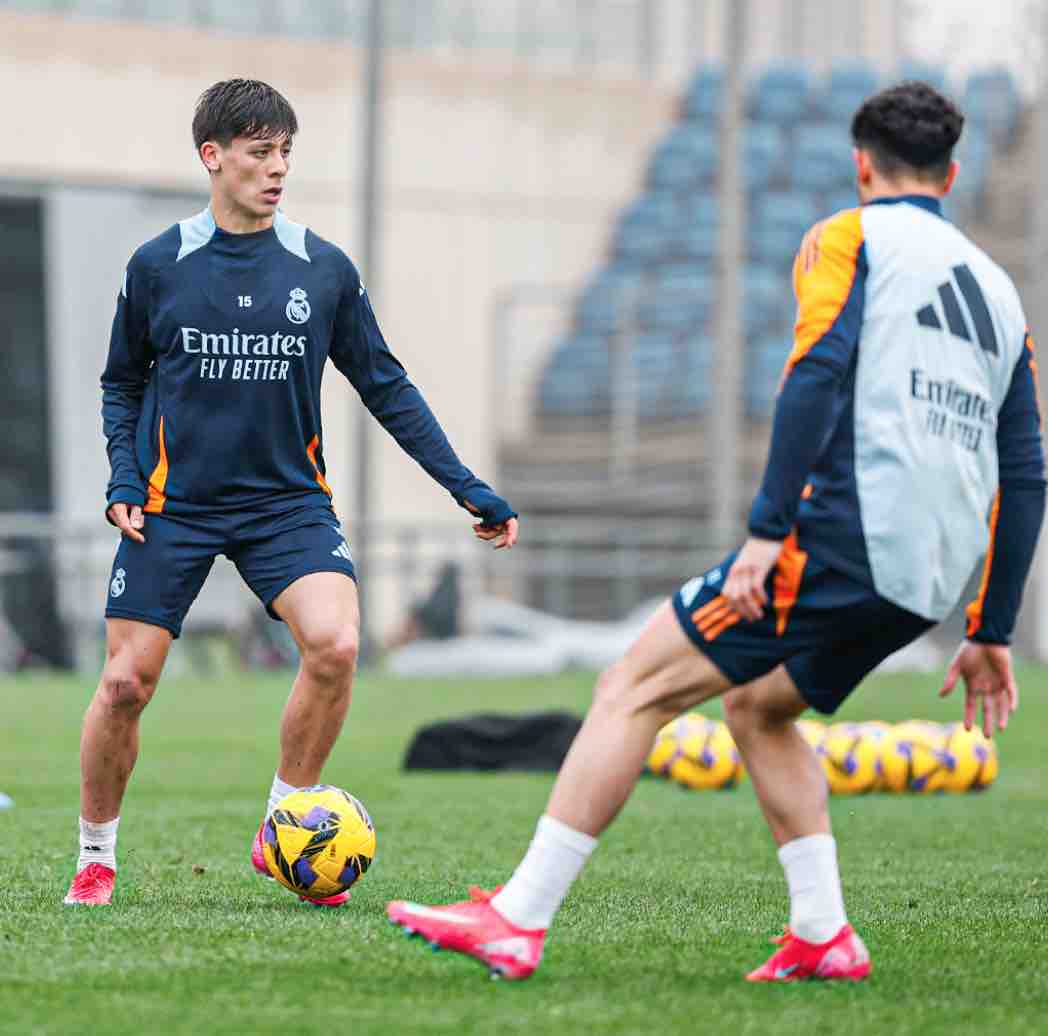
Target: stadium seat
[[654, 373], [576, 380], [778, 222], [765, 361], [837, 201], [991, 99], [703, 98], [681, 299], [685, 160], [820, 158], [644, 229], [933, 75], [849, 84], [692, 389], [696, 243], [700, 209], [762, 155], [609, 299], [767, 302], [696, 238], [974, 154], [781, 94]]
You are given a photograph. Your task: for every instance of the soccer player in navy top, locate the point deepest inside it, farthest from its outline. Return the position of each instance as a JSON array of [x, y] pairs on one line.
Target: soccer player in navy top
[[211, 413]]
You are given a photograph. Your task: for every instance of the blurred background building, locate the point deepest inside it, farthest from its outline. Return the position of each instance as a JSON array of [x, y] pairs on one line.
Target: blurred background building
[[579, 241]]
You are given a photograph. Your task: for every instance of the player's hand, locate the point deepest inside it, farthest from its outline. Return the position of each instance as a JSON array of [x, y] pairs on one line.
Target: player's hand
[[987, 673], [744, 587], [504, 534], [129, 520]]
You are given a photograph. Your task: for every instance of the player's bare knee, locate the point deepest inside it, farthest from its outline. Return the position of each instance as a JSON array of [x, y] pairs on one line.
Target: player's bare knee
[[767, 704], [124, 690], [331, 658], [741, 711]]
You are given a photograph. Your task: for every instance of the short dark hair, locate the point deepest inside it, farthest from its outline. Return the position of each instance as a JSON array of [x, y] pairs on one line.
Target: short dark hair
[[909, 127], [242, 108]]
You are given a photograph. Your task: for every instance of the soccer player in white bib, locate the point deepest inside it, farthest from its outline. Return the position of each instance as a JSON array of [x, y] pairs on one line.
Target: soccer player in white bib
[[906, 445]]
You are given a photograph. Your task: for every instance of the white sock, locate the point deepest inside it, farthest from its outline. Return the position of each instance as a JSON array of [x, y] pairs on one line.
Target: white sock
[[277, 791], [539, 884], [97, 844], [816, 903]]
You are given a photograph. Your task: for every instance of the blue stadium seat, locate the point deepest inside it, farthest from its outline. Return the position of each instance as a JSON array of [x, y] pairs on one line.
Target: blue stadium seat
[[849, 84], [767, 301], [686, 159], [704, 96], [974, 154], [693, 387], [608, 300], [781, 94], [821, 158], [696, 238], [765, 361], [576, 380], [933, 75], [654, 359], [778, 221], [696, 243], [644, 229], [837, 201], [762, 155], [681, 299], [700, 209], [991, 98]]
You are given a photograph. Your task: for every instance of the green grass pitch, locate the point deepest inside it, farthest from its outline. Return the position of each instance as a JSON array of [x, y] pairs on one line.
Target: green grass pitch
[[951, 893]]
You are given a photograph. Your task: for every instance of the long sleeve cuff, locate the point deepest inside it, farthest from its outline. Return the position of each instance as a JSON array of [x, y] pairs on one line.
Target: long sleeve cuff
[[1014, 526]]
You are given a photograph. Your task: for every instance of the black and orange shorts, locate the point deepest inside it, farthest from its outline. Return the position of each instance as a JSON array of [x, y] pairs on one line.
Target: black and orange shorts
[[827, 628]]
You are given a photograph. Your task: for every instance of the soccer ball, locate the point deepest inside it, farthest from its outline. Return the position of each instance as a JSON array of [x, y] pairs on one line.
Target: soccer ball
[[971, 759], [318, 841], [924, 730], [697, 752], [812, 731], [913, 759], [849, 759]]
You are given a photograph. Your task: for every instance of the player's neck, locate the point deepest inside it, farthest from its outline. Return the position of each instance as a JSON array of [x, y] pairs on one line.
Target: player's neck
[[233, 219], [901, 189]]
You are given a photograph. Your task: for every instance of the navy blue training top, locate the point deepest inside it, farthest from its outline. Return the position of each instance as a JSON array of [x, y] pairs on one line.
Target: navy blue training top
[[211, 391]]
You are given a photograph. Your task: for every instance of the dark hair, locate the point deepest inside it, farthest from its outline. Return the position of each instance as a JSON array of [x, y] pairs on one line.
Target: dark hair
[[242, 108], [910, 127]]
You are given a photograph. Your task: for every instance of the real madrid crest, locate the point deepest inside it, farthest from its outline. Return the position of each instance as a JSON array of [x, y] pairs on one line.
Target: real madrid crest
[[298, 307]]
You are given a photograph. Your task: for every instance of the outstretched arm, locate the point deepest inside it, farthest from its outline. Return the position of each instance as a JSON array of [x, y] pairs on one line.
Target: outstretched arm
[[983, 662], [360, 352], [124, 383]]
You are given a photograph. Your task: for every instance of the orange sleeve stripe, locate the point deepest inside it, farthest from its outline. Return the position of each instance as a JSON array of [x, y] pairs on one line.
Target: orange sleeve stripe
[[158, 479], [311, 451], [786, 583], [1036, 377], [823, 274], [974, 611]]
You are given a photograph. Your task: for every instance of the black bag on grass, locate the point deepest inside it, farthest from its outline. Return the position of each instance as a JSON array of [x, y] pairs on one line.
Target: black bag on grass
[[490, 741]]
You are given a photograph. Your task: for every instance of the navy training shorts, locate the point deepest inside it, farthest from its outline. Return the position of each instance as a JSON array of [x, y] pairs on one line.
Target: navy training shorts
[[157, 581], [828, 629]]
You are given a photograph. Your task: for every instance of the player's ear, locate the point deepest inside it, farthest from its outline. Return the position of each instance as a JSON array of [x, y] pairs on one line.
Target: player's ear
[[951, 178], [210, 157], [863, 165]]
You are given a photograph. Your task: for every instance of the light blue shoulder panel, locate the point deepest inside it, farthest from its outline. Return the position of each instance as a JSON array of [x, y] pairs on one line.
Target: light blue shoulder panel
[[291, 235], [196, 232]]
